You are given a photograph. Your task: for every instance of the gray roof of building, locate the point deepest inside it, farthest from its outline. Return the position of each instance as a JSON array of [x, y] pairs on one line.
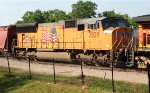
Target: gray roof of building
[[144, 18]]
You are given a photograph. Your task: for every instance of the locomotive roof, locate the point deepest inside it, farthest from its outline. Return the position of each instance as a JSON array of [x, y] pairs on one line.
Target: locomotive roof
[[26, 25], [47, 24], [60, 22], [79, 21], [93, 20], [144, 18], [90, 20]]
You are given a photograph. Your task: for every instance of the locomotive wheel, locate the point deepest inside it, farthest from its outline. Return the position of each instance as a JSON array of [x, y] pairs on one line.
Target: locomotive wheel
[[93, 60]]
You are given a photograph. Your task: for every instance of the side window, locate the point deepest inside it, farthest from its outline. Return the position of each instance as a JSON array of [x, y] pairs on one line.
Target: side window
[[146, 26], [97, 25], [94, 26], [148, 39], [91, 26], [80, 27], [70, 24]]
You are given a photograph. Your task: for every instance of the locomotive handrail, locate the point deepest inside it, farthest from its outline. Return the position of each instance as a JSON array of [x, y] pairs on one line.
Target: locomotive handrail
[[119, 42], [117, 47], [116, 40], [132, 42], [129, 43]]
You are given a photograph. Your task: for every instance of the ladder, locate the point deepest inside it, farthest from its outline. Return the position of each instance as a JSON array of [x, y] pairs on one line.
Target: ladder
[[129, 53]]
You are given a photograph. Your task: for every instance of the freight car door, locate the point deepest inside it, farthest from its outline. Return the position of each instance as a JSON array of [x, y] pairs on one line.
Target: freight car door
[[3, 39]]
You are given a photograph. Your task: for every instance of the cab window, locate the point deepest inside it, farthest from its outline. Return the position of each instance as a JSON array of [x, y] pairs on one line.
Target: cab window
[[121, 24], [80, 27], [108, 23]]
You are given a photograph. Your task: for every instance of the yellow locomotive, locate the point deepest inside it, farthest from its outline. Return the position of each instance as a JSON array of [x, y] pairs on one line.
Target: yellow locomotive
[[99, 38]]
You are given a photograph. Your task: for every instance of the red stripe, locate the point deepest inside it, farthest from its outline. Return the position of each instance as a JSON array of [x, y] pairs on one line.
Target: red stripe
[[46, 36]]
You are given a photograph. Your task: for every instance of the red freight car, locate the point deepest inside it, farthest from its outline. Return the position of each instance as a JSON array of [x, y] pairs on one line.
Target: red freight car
[[7, 34]]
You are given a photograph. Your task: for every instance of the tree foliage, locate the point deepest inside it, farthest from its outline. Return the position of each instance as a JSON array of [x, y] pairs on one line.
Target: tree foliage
[[83, 9], [31, 17], [42, 17], [54, 15]]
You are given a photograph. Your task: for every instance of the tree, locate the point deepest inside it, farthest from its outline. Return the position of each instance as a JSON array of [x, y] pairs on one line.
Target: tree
[[109, 14], [54, 15], [83, 9], [31, 17], [27, 17], [38, 17], [42, 17]]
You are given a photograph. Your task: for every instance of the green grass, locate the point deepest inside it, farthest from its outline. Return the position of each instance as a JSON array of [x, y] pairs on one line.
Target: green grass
[[19, 82]]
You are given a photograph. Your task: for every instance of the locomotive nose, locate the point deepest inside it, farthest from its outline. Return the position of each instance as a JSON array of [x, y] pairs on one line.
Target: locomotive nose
[[121, 37]]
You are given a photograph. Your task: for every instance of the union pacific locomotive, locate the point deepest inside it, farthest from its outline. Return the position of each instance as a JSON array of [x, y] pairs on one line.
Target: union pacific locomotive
[[100, 40]]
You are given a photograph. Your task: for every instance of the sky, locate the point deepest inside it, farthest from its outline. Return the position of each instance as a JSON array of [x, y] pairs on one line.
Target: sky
[[12, 10]]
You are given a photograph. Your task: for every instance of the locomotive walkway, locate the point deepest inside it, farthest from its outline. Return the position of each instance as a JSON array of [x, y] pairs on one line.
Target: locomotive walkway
[[75, 70]]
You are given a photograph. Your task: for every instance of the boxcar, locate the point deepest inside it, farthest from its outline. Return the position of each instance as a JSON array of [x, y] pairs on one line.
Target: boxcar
[[7, 34]]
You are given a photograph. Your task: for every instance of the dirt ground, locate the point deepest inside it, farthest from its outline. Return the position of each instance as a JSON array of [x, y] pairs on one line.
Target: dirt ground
[[75, 70]]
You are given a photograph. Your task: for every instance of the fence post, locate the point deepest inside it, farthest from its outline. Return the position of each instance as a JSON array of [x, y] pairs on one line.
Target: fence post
[[148, 73], [113, 85], [8, 65], [112, 69], [30, 77], [82, 75], [54, 71]]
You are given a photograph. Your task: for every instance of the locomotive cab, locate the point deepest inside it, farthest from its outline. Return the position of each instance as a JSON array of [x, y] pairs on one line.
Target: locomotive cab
[[105, 35], [117, 27], [121, 34], [121, 40]]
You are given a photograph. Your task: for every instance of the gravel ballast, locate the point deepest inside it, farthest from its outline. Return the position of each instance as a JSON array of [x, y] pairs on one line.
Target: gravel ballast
[[75, 70]]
